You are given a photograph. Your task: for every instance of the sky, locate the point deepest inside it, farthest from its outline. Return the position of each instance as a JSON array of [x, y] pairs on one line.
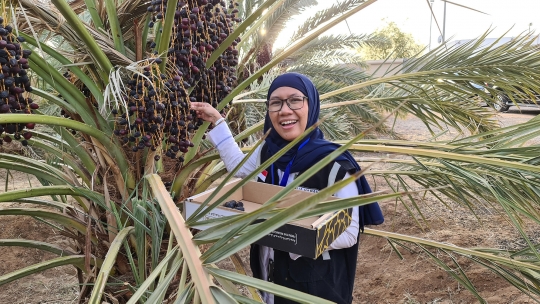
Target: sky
[[414, 16]]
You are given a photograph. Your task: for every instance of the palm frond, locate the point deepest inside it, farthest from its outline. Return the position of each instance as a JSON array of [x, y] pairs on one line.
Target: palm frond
[[43, 17], [517, 267], [326, 57], [130, 12], [429, 102], [275, 24], [323, 16], [347, 74], [337, 126], [359, 117], [333, 43], [509, 66], [442, 78], [471, 177]]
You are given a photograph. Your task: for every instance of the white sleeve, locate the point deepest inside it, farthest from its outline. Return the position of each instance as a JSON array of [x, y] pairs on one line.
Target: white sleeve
[[221, 137], [350, 236]]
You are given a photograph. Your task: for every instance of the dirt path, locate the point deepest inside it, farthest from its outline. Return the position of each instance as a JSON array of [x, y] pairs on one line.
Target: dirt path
[[381, 277], [57, 285]]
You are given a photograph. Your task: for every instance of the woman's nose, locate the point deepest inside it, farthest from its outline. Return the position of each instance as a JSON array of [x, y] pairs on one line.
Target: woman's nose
[[285, 109]]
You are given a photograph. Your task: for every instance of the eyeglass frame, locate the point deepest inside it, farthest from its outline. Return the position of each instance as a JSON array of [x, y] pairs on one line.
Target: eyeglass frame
[[286, 100]]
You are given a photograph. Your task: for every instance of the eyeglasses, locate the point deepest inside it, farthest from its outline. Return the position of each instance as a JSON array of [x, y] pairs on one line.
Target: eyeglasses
[[294, 103]]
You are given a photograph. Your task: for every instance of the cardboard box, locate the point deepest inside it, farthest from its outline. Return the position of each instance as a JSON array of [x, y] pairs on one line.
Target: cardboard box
[[309, 237]]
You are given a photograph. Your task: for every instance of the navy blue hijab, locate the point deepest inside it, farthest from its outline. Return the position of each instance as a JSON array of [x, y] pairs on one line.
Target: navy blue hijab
[[317, 147]]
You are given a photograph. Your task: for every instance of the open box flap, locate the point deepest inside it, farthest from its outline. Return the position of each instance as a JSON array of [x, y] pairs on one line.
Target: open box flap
[[259, 193]]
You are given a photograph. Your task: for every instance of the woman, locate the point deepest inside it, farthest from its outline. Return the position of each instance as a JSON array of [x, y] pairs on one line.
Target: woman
[[293, 105]]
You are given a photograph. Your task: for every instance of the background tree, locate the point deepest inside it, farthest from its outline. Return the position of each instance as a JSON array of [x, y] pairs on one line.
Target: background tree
[[392, 43]]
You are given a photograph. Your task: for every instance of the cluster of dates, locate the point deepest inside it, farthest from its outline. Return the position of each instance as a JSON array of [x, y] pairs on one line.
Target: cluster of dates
[[158, 102], [235, 205], [14, 82]]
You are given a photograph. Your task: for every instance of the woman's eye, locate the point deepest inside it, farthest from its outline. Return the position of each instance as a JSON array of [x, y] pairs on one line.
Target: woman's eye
[[296, 100], [275, 102]]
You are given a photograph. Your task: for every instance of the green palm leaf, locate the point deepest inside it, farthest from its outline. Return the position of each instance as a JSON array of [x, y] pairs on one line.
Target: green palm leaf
[[76, 260], [108, 264]]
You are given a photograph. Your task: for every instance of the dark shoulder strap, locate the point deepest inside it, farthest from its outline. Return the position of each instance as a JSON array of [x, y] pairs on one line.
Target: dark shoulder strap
[[260, 156], [263, 156]]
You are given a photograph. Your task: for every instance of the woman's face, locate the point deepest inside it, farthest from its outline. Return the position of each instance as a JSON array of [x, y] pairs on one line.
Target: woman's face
[[289, 124]]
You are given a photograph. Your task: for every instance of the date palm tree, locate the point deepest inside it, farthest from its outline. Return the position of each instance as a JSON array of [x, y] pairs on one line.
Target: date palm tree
[[124, 221]]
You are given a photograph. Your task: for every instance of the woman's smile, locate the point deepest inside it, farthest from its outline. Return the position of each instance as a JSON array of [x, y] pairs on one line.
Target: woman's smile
[[288, 124]]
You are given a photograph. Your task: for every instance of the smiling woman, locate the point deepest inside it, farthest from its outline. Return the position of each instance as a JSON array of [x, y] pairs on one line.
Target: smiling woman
[[293, 105]]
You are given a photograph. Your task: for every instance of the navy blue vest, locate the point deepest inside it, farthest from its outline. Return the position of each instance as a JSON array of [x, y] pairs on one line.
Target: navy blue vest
[[331, 279]]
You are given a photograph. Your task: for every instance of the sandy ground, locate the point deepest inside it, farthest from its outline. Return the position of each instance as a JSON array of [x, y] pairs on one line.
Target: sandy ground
[[57, 285], [381, 276]]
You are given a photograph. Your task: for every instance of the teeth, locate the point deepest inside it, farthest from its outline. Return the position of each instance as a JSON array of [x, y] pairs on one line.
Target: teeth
[[288, 122]]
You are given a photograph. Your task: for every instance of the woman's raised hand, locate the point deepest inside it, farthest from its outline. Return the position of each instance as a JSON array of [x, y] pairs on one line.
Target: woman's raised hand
[[206, 111]]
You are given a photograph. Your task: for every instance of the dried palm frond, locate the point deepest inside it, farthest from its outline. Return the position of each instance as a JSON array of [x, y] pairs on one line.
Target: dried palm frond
[[44, 18]]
